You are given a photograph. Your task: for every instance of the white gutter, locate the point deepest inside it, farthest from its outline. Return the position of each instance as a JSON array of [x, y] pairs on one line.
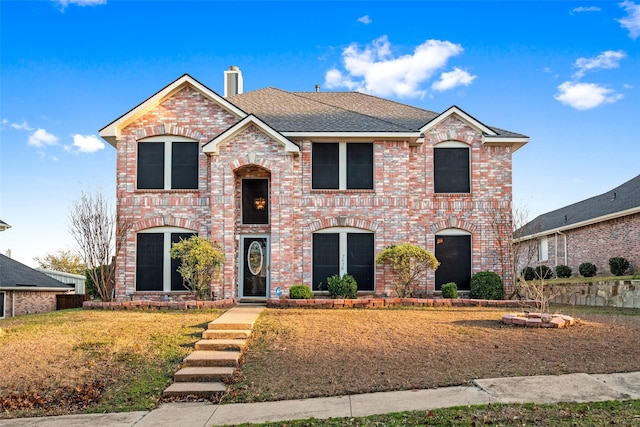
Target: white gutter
[[35, 289], [579, 224]]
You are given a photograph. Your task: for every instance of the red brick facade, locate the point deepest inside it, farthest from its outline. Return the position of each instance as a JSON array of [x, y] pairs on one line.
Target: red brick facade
[[18, 303], [402, 207]]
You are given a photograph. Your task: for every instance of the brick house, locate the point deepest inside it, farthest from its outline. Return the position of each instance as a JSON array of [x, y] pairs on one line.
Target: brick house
[[298, 186], [592, 230]]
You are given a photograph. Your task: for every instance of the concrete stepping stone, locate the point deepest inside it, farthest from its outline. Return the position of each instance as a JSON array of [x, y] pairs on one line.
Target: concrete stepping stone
[[221, 344], [181, 389], [231, 334], [204, 373], [213, 358]]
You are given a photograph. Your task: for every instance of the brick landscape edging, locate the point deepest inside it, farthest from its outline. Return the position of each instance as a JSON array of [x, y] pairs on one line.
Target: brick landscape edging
[[158, 305], [396, 302]]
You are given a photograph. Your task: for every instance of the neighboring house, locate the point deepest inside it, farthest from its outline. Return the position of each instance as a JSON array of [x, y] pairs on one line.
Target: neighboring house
[[24, 290], [75, 280], [4, 225], [298, 186], [592, 230]]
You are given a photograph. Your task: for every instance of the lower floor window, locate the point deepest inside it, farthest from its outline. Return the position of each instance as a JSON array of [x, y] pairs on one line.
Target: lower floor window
[[2, 294], [343, 251], [454, 253], [155, 269]]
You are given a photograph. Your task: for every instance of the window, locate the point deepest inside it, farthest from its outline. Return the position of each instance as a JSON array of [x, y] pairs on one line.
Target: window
[[342, 166], [155, 269], [167, 162], [451, 168], [255, 201], [2, 295], [343, 251], [453, 250], [543, 248]]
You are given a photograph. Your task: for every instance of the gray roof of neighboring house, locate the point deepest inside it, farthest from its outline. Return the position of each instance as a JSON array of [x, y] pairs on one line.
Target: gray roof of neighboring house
[[4, 225], [14, 274], [334, 112], [622, 198]]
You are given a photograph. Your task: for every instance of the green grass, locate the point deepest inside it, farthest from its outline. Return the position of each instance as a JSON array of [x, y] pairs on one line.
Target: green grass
[[611, 413]]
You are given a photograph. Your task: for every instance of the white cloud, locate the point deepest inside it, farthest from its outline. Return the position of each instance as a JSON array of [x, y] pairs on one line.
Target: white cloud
[[376, 70], [82, 3], [584, 96], [41, 138], [606, 60], [365, 20], [451, 79], [85, 144], [632, 21], [586, 9], [21, 126]]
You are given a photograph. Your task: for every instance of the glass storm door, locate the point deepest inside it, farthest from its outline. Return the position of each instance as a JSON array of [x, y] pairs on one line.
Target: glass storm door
[[254, 271]]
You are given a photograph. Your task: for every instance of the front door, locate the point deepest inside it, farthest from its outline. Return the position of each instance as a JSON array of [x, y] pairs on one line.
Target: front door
[[254, 266]]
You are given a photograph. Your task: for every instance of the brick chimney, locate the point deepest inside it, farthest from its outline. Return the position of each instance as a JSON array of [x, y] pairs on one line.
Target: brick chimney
[[232, 81]]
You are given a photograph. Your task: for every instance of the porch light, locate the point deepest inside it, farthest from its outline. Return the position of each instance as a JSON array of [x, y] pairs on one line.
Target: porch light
[[260, 203]]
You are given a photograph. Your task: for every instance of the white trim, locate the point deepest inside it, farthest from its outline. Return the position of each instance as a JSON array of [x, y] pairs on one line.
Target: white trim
[[451, 144], [454, 110], [168, 141], [334, 230], [35, 289], [453, 232], [515, 142], [343, 136], [579, 224], [543, 248], [213, 146], [111, 132]]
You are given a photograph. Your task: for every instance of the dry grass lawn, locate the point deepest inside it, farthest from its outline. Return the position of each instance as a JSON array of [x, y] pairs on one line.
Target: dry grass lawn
[[301, 353]]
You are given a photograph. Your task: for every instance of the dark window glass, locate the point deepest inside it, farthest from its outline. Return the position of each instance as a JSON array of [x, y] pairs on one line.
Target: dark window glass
[[149, 261], [1, 305], [151, 165], [360, 166], [360, 259], [325, 166], [255, 201], [451, 170], [326, 259], [184, 165], [177, 283], [454, 254]]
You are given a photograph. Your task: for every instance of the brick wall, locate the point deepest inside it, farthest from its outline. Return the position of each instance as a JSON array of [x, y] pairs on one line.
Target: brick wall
[[402, 206], [596, 243], [29, 302]]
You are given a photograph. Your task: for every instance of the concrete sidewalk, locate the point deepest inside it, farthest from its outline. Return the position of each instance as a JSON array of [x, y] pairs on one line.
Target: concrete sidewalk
[[538, 389]]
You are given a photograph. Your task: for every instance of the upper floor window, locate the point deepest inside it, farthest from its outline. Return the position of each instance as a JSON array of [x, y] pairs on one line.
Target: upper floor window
[[342, 166], [452, 171], [167, 162]]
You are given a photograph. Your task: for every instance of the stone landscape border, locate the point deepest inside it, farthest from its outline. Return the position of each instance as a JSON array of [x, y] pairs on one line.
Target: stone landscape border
[[158, 305]]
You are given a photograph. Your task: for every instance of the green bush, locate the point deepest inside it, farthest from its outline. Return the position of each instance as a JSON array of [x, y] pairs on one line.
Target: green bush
[[587, 269], [342, 287], [618, 265], [300, 292], [450, 290], [528, 273], [486, 285], [543, 272], [563, 271]]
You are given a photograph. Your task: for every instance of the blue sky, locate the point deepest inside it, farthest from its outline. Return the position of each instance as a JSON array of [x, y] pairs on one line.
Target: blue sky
[[567, 74]]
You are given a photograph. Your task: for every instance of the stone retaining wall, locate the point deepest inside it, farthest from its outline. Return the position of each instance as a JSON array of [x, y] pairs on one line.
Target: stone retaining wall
[[616, 293]]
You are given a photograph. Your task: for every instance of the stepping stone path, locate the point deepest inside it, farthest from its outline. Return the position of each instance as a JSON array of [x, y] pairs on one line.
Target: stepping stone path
[[217, 355]]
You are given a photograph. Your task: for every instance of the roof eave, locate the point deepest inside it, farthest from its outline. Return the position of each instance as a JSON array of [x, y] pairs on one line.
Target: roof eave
[[35, 288], [515, 142], [411, 136], [455, 110], [584, 223]]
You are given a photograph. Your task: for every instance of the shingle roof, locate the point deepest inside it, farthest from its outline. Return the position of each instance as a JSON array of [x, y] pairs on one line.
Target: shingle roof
[[15, 274], [334, 112], [4, 225], [622, 198]]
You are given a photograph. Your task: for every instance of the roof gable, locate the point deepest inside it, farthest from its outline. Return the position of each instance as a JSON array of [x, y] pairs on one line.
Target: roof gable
[[622, 200], [14, 274], [111, 132], [212, 147]]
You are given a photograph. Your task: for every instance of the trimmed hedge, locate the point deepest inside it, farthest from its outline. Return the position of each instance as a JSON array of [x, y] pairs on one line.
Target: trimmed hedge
[[450, 290], [486, 285], [300, 292]]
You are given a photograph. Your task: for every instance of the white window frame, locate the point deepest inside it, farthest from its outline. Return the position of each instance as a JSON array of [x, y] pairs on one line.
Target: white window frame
[[342, 232], [166, 263], [543, 248], [342, 164], [168, 141]]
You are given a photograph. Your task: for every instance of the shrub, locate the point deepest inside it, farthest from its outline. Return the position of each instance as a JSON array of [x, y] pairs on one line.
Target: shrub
[[486, 285], [618, 265], [342, 287], [408, 264], [543, 272], [587, 269], [300, 292], [450, 290], [528, 273], [563, 271]]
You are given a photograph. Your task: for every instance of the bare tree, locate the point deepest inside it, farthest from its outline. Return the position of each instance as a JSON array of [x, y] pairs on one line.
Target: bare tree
[[99, 235]]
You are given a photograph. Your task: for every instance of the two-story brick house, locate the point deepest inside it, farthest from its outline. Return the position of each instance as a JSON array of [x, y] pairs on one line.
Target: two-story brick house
[[298, 186]]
